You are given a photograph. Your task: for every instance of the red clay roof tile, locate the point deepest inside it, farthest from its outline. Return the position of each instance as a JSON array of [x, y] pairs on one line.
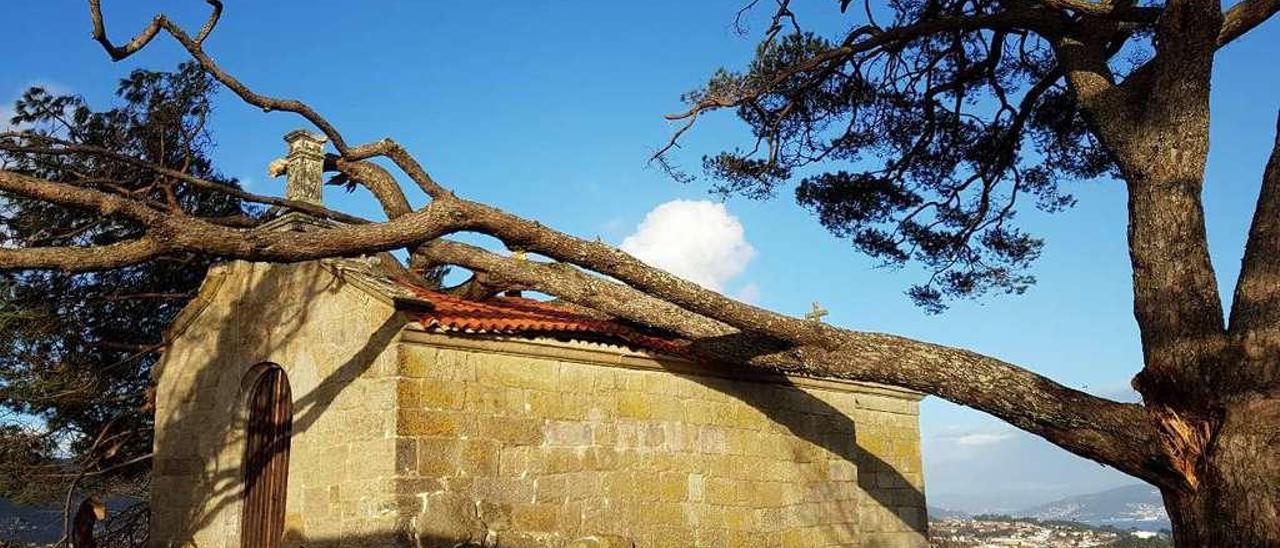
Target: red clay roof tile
[[518, 315]]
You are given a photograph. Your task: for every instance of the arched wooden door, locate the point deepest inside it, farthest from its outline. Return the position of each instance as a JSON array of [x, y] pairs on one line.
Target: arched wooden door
[[266, 460]]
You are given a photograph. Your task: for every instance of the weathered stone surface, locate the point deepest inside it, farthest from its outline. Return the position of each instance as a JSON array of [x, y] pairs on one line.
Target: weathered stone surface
[[653, 458], [408, 437], [334, 343], [449, 519], [601, 541]]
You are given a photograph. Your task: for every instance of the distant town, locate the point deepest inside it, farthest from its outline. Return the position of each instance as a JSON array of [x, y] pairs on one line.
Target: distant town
[[998, 531]]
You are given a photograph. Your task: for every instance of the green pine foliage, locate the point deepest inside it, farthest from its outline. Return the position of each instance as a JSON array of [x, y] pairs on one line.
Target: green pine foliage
[[76, 350], [920, 150]]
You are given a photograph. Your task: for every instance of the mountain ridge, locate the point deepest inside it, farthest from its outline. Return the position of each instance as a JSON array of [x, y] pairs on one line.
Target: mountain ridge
[[1137, 506]]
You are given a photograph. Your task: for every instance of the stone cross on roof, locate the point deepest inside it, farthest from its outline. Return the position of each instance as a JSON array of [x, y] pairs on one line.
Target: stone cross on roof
[[816, 313], [305, 167]]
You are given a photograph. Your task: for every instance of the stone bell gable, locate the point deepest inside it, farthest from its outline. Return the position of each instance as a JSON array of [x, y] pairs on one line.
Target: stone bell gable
[[332, 403]]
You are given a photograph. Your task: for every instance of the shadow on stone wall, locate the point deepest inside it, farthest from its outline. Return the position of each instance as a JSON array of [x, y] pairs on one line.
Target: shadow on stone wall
[[187, 481], [880, 480], [190, 486], [199, 429]]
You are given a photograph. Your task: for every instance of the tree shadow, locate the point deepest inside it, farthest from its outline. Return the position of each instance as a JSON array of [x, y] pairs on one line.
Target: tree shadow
[[818, 422], [208, 424]]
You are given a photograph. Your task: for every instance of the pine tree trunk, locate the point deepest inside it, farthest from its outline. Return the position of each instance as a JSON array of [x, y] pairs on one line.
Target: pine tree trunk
[[1212, 389], [1236, 501]]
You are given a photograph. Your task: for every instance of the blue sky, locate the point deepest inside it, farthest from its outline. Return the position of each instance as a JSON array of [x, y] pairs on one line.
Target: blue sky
[[550, 110]]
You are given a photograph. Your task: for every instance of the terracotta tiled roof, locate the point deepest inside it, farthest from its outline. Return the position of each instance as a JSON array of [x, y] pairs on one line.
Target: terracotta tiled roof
[[522, 316]]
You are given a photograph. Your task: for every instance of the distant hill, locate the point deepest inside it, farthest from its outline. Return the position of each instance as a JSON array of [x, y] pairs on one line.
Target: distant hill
[[1133, 506], [943, 513]]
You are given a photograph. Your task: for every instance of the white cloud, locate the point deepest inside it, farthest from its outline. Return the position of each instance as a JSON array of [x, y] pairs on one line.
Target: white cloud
[[749, 293], [979, 439], [697, 240]]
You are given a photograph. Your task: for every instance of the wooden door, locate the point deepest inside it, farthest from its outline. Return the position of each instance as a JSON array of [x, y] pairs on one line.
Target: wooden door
[[266, 461]]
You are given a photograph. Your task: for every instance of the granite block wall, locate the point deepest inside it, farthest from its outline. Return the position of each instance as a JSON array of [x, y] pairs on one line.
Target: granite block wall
[[514, 444], [335, 345], [413, 438]]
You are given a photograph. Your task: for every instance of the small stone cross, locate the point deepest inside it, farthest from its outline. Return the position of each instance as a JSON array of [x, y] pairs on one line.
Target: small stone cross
[[816, 313]]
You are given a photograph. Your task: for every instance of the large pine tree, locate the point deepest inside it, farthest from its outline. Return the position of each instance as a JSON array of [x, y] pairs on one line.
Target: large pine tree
[[965, 105], [76, 349]]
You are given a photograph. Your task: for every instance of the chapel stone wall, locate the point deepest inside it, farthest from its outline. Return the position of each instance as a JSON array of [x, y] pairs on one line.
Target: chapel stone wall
[[404, 437], [522, 444], [335, 345]]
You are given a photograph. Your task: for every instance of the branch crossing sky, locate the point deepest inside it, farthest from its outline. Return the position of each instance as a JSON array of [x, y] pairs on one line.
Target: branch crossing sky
[[550, 110]]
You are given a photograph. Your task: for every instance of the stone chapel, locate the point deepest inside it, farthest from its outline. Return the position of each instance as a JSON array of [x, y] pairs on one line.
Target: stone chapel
[[331, 403]]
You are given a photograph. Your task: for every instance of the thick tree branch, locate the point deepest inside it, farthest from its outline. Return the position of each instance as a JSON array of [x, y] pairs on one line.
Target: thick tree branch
[[387, 191], [610, 261], [81, 259], [1255, 310], [80, 198], [1244, 17], [173, 233], [392, 150], [577, 286], [378, 181], [721, 330], [1092, 427]]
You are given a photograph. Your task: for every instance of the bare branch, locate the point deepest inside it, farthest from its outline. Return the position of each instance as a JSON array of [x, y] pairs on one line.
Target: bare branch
[[211, 22], [195, 49], [380, 183], [81, 259], [71, 148], [403, 160], [385, 147], [674, 141], [129, 48]]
